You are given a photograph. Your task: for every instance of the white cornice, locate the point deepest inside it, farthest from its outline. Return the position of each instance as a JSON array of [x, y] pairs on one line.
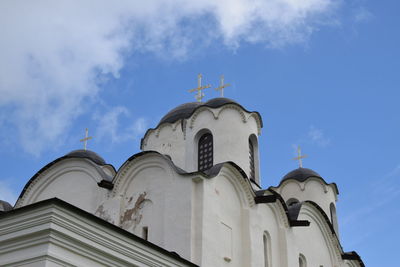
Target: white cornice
[[76, 233]]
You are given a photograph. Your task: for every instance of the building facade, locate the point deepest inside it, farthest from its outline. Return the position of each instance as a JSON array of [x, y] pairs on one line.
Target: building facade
[[191, 197]]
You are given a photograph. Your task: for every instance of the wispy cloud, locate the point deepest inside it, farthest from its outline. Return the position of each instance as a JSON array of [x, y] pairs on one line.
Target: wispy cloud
[[382, 191], [362, 14], [7, 193], [53, 53], [318, 136], [109, 126]]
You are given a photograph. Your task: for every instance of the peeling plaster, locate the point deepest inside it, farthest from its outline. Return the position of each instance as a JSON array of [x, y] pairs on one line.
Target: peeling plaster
[[132, 217]]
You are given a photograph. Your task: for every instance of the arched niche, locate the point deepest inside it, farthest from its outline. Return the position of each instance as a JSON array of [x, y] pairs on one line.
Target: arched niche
[[302, 261], [267, 249]]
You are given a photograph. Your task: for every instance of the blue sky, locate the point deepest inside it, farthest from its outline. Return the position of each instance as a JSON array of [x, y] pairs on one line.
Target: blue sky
[[322, 73]]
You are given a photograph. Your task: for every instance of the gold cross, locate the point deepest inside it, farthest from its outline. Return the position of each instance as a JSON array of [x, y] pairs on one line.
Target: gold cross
[[84, 140], [222, 86], [299, 157], [199, 88]]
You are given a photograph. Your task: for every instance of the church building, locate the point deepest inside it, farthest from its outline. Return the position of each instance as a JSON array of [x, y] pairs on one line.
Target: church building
[[191, 197]]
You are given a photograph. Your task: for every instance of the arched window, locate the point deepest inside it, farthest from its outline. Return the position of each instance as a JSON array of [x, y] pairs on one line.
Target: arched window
[[302, 261], [205, 152], [334, 218], [292, 201], [267, 250], [251, 158]]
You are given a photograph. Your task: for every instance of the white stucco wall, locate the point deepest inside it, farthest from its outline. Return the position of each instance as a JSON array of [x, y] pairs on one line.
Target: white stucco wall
[[211, 221], [230, 126], [312, 189], [72, 180]]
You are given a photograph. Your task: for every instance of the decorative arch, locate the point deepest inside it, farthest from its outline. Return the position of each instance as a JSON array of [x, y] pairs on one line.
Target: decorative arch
[[256, 117], [136, 164], [240, 183], [313, 211], [234, 107], [197, 112], [280, 187], [58, 170], [318, 180], [173, 126]]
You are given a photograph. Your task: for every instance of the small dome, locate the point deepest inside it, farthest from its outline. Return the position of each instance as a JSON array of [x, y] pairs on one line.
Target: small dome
[[219, 101], [186, 110], [181, 111], [5, 206], [80, 153], [300, 174]]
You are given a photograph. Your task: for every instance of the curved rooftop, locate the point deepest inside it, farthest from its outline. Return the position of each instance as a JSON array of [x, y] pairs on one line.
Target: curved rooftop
[[301, 174], [184, 111], [81, 153], [5, 206]]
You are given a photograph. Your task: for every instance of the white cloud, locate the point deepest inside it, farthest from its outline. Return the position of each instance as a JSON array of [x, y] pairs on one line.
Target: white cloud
[[7, 193], [362, 14], [318, 137], [109, 126], [54, 52]]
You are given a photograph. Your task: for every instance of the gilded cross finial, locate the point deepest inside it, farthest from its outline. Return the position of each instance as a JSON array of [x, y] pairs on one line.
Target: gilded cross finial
[[222, 86], [199, 96], [84, 140], [299, 157]]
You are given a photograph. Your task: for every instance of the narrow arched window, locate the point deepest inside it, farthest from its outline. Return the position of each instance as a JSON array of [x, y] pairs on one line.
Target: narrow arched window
[[267, 250], [251, 158], [302, 261], [292, 201], [205, 152], [334, 218]]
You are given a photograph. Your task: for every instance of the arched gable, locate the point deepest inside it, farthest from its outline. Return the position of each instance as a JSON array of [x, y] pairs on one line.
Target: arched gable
[[147, 188], [278, 207], [74, 180], [312, 212], [136, 164], [240, 182]]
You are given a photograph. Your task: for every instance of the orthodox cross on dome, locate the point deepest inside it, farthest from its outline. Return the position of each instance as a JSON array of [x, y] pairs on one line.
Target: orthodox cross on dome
[[222, 86], [84, 140], [199, 96], [299, 157]]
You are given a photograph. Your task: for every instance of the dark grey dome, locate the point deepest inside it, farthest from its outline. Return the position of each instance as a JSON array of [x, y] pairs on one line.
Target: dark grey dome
[[80, 153], [5, 206], [181, 111], [300, 174], [219, 101], [186, 110]]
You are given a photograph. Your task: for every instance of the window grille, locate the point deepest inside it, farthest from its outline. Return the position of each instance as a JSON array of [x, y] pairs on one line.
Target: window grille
[[251, 158], [205, 154]]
